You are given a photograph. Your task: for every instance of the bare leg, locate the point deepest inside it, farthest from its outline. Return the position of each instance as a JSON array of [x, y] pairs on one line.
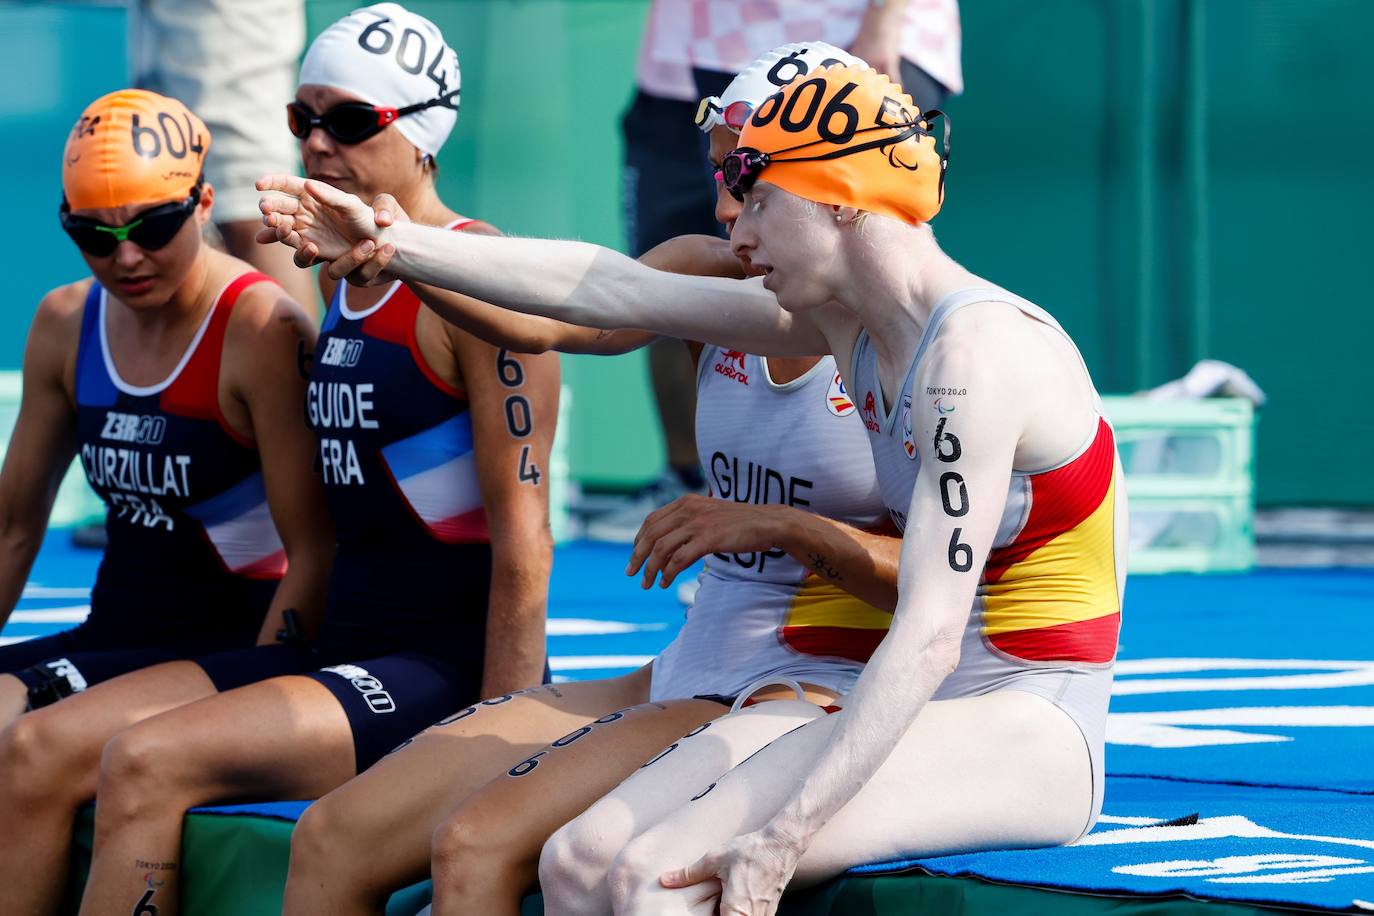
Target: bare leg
[[273, 260], [49, 760], [575, 860], [282, 738], [485, 857], [1000, 771], [336, 870], [14, 698]]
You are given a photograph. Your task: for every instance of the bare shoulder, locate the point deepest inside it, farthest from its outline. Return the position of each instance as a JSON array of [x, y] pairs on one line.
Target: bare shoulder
[[266, 330], [62, 307]]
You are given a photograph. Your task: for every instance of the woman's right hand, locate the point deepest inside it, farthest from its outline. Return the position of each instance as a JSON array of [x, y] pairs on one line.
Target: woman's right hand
[[365, 264], [318, 220]]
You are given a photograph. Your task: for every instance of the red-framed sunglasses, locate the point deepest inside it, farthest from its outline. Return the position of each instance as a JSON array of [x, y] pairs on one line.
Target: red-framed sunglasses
[[354, 122]]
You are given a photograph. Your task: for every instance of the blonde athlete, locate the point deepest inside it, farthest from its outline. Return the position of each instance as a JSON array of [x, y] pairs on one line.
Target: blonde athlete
[[979, 722], [793, 483]]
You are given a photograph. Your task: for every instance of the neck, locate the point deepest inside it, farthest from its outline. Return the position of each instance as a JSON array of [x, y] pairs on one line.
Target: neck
[[424, 206], [893, 297]]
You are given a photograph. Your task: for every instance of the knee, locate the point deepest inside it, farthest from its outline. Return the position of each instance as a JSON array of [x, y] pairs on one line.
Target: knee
[[137, 774], [633, 874], [33, 766], [461, 854], [572, 865], [320, 844]]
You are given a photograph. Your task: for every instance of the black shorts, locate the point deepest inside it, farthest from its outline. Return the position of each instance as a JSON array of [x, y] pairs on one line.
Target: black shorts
[[81, 658], [391, 698], [240, 667]]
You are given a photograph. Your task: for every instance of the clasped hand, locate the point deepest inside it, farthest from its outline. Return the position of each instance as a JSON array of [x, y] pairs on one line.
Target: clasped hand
[[326, 225]]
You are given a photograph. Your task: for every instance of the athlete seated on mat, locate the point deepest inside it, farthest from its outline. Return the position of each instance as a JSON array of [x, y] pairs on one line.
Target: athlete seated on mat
[[785, 452], [979, 722], [175, 372], [433, 448]]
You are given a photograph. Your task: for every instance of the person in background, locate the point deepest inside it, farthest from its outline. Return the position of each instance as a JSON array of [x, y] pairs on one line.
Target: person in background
[[230, 62]]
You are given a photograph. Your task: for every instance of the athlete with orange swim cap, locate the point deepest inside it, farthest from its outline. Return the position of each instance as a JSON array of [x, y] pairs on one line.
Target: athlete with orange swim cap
[[174, 373], [979, 721]]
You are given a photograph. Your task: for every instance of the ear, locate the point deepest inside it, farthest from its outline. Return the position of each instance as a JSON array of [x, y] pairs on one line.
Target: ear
[[207, 203]]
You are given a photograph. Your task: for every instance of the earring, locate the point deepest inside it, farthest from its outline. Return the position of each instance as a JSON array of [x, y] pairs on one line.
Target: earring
[[839, 218]]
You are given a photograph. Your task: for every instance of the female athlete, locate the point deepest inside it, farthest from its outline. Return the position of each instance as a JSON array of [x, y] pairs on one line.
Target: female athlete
[[174, 371]]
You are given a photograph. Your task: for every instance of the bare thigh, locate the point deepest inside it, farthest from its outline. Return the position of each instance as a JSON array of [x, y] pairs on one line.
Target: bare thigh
[[405, 795], [1001, 771]]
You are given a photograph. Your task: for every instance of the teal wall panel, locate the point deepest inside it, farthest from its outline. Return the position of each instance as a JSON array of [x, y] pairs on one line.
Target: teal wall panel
[[1172, 178]]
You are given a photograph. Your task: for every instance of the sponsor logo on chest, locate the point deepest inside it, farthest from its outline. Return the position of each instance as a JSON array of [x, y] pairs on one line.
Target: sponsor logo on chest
[[132, 427], [870, 413], [342, 351], [731, 365]]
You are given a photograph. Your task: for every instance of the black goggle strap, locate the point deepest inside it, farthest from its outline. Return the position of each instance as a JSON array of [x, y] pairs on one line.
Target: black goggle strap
[[447, 100]]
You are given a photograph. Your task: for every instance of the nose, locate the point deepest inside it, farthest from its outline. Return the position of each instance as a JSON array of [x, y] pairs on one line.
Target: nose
[[317, 142], [127, 254], [743, 238], [727, 208]]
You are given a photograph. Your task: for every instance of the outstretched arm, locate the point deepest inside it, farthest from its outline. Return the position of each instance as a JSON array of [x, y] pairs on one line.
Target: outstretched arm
[[570, 281]]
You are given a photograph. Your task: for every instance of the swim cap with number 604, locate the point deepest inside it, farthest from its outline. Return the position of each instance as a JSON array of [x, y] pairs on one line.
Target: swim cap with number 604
[[386, 55], [851, 137], [133, 147]]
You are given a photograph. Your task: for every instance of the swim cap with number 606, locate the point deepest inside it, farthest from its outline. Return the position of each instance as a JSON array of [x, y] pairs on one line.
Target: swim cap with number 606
[[851, 137], [388, 56], [768, 73], [133, 147]]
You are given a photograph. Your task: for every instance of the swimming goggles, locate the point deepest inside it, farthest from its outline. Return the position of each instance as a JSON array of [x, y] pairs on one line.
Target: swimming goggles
[[354, 122], [711, 114], [740, 168], [153, 229]]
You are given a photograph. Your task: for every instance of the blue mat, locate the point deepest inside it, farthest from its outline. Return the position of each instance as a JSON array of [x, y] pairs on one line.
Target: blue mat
[[1245, 700], [1289, 847]]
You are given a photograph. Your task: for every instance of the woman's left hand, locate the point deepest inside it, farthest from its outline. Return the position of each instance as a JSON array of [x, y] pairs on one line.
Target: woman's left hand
[[753, 870], [675, 536]]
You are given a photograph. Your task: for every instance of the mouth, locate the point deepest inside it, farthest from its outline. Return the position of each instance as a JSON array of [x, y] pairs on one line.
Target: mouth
[[327, 177], [135, 286]]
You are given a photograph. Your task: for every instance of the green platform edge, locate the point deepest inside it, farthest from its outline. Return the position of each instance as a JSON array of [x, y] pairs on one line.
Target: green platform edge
[[236, 866]]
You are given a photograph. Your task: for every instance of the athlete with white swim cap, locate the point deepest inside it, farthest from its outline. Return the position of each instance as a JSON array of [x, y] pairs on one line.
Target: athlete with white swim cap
[[979, 721], [174, 372], [433, 448], [772, 434]]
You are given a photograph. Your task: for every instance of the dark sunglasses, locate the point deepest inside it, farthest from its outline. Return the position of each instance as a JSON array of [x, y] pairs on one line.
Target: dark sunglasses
[[742, 167], [354, 122], [152, 230]]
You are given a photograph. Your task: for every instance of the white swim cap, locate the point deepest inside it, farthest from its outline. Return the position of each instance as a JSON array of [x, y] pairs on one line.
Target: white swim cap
[[765, 76], [388, 56]]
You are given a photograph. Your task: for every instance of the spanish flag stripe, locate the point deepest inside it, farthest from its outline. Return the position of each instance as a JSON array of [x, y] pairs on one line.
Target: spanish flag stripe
[[1060, 500]]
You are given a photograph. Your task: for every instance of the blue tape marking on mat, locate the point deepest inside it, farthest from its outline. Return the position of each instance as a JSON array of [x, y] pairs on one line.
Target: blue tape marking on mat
[[1291, 847]]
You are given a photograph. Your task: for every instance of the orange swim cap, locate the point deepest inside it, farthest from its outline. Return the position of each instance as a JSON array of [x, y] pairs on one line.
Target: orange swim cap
[[133, 147], [850, 136]]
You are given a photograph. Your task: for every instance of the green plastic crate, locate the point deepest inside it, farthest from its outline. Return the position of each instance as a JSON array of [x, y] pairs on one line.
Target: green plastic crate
[[1190, 482]]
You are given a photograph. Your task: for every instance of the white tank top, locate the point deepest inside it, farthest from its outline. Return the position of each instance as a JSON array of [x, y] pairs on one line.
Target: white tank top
[[764, 614], [1048, 608]]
